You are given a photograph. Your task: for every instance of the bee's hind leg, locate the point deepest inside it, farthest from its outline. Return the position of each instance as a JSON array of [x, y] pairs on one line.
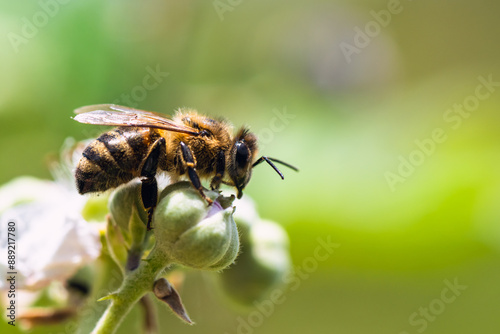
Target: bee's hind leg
[[149, 189], [187, 155]]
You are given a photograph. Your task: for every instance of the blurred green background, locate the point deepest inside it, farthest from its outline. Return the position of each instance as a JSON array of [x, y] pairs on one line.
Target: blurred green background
[[349, 99]]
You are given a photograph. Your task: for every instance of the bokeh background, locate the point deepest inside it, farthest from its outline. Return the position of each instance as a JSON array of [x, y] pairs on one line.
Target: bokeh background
[[356, 105]]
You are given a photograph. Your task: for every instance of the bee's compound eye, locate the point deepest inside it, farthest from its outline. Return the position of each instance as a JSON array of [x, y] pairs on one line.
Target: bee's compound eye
[[242, 154]]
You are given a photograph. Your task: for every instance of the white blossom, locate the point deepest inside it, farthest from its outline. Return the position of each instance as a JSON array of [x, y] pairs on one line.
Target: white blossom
[[52, 240]]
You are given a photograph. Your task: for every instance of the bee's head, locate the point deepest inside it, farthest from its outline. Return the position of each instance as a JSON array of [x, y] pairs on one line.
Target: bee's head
[[241, 156]]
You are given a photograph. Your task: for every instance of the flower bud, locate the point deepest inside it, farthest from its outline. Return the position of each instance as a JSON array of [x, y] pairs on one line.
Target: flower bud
[[126, 231], [263, 262], [122, 202], [193, 233]]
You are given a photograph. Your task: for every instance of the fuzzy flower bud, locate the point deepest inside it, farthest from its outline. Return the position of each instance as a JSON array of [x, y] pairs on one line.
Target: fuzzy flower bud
[[123, 201], [264, 261], [192, 233], [126, 230]]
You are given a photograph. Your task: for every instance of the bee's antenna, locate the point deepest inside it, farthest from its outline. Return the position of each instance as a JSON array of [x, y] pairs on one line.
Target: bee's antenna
[[270, 160]]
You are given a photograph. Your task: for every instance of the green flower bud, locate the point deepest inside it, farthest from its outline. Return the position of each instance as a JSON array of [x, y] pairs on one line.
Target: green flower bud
[[192, 233], [129, 218], [123, 200], [263, 262]]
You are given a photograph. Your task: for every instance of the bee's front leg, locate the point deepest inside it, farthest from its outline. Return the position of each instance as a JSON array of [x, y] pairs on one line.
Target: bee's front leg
[[149, 188], [219, 170], [190, 165]]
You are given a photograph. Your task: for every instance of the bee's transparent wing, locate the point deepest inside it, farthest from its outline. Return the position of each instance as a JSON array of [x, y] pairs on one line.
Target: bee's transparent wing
[[112, 114]]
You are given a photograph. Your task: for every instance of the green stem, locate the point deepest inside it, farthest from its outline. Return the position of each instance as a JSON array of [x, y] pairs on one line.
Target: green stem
[[135, 285]]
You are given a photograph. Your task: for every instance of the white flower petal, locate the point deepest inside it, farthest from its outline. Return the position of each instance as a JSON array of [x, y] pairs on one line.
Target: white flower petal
[[26, 189], [52, 239]]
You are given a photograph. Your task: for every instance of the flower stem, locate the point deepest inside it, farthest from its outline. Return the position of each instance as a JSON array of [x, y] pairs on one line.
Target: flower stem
[[135, 285]]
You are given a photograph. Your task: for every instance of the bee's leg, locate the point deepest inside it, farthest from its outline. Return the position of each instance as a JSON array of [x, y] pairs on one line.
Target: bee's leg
[[149, 194], [149, 189], [187, 155], [219, 170]]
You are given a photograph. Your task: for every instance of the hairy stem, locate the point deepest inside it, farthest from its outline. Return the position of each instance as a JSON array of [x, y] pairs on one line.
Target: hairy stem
[[135, 285]]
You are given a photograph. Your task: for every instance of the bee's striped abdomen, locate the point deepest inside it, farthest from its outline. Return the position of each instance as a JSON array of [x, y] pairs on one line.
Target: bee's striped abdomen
[[113, 159]]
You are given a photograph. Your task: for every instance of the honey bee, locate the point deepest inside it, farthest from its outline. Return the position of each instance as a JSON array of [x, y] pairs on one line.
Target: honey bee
[[145, 143]]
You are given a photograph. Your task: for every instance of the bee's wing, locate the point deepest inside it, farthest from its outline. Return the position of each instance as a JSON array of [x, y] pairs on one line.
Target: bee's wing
[[112, 114]]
